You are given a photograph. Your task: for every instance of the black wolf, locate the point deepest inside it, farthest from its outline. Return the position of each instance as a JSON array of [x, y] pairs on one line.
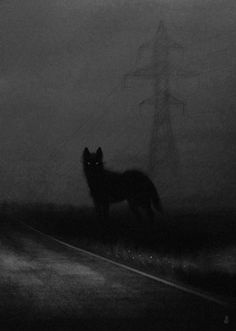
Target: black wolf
[[108, 187]]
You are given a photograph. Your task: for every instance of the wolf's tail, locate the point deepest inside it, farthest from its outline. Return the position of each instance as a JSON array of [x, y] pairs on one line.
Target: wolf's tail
[[156, 201]]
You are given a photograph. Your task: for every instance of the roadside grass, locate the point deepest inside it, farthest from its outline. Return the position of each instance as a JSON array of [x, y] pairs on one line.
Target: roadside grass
[[198, 249]]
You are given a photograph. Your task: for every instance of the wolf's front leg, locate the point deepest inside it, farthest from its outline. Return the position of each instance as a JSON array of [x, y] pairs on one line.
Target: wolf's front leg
[[105, 209], [98, 211], [102, 211]]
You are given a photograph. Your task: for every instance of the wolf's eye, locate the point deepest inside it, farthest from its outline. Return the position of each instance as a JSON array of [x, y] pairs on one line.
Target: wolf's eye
[[97, 163], [88, 163]]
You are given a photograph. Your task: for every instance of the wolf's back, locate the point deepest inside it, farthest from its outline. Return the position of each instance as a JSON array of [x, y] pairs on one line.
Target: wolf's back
[[141, 182]]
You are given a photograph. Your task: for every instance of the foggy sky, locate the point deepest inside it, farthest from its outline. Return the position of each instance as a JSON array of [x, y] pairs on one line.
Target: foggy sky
[[62, 63]]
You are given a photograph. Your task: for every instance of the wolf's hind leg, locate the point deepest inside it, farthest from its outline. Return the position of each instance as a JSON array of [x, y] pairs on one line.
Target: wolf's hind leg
[[150, 213], [134, 208]]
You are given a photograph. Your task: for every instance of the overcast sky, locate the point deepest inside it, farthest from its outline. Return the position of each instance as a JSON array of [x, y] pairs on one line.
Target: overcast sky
[[62, 64]]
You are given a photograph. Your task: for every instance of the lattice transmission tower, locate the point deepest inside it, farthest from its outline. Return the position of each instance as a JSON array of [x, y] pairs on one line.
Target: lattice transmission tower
[[162, 155]]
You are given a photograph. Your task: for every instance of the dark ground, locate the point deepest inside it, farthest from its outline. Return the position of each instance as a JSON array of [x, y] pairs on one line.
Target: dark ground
[[198, 249], [47, 286]]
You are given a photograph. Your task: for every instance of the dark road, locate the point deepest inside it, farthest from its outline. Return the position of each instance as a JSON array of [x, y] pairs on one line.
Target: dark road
[[47, 286]]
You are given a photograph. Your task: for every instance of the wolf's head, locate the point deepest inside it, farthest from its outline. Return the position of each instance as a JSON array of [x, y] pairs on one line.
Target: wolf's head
[[93, 162]]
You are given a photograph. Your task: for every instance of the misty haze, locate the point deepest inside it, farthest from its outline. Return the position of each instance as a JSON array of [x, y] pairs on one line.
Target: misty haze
[[62, 73], [150, 82]]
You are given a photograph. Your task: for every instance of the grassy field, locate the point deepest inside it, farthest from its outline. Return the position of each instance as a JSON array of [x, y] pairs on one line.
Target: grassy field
[[196, 249]]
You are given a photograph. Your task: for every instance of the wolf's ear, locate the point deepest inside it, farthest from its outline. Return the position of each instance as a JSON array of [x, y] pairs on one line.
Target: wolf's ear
[[86, 152], [99, 153]]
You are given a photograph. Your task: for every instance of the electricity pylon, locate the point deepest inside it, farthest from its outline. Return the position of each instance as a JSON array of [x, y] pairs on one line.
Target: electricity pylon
[[163, 156]]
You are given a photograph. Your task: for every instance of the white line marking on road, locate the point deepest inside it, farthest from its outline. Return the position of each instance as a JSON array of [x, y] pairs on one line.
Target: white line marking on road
[[202, 295]]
